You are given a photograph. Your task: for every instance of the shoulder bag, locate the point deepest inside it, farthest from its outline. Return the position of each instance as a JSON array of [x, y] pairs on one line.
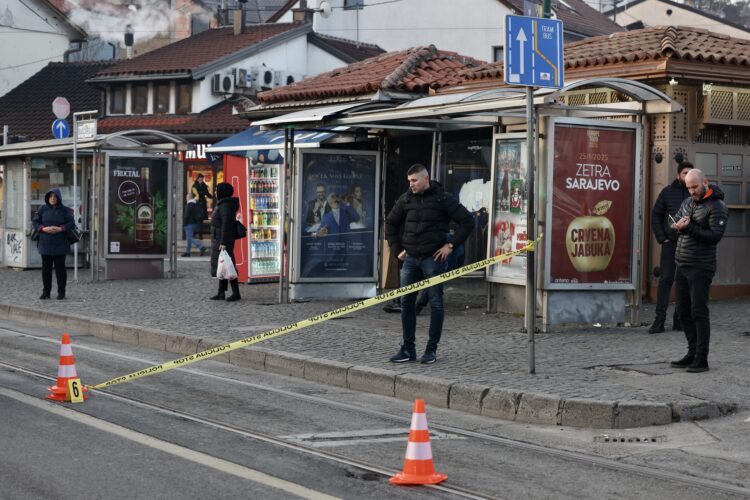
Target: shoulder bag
[[73, 234]]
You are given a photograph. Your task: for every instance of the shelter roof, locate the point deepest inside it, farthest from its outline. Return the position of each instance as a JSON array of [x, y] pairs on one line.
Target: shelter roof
[[27, 109]]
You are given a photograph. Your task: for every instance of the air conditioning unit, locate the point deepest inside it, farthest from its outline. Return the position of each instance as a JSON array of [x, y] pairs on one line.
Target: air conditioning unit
[[266, 79], [290, 78], [222, 83], [277, 79]]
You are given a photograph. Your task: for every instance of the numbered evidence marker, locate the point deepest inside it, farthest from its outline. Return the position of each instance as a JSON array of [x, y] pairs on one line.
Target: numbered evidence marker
[[75, 392]]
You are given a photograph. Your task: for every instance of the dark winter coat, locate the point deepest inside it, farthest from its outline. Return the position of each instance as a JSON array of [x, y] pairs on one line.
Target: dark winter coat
[[696, 246], [424, 220], [193, 214], [668, 203], [223, 229], [57, 215]]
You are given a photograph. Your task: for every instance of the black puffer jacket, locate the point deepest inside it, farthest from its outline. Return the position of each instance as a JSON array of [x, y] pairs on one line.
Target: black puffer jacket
[[668, 203], [53, 215], [223, 229], [424, 219], [696, 246]]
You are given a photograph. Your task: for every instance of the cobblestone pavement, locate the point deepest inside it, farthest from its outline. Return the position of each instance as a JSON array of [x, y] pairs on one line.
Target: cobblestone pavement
[[607, 363]]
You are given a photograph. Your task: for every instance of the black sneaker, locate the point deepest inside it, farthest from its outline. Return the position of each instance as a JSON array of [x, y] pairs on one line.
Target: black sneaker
[[686, 361], [393, 306], [657, 327], [44, 296], [403, 355], [698, 366], [429, 357]]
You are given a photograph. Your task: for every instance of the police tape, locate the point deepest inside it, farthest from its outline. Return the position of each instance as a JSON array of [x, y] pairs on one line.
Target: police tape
[[320, 318]]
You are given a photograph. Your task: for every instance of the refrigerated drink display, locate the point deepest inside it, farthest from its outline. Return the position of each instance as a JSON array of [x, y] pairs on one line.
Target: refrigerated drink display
[[265, 251]]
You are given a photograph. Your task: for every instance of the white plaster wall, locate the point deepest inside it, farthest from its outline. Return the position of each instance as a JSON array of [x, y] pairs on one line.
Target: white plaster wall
[[469, 27], [654, 13], [319, 61]]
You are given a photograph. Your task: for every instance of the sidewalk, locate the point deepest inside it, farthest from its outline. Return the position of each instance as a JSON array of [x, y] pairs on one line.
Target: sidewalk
[[609, 377]]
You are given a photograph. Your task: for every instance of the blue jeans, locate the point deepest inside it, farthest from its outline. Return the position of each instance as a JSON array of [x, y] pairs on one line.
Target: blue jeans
[[414, 270], [189, 231]]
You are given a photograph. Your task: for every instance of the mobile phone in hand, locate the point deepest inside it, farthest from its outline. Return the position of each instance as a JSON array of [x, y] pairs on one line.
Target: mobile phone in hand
[[671, 219]]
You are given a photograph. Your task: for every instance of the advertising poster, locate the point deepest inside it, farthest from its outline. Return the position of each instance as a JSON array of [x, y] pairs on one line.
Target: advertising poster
[[137, 208], [339, 191], [591, 222], [509, 211]]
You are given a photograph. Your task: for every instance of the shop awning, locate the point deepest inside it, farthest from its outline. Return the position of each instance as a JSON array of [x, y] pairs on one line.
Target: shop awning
[[254, 139]]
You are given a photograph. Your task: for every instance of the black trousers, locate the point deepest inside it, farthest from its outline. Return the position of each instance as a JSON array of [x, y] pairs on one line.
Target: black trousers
[[693, 285], [667, 266], [58, 261]]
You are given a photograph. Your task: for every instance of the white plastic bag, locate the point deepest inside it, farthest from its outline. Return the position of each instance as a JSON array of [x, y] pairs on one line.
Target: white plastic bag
[[225, 269]]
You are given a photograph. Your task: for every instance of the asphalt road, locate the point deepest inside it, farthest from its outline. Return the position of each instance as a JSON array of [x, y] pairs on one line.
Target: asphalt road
[[219, 431]]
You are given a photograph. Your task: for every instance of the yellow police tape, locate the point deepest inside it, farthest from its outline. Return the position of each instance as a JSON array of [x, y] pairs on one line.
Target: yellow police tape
[[320, 318]]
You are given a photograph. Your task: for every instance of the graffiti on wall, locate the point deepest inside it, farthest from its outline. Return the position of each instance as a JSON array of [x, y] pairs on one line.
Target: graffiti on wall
[[14, 247]]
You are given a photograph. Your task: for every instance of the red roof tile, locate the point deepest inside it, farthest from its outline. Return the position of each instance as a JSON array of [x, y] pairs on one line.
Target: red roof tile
[[217, 120], [193, 52], [414, 70], [27, 109]]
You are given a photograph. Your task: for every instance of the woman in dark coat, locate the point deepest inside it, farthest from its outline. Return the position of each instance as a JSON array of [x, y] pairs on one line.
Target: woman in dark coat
[[52, 221], [223, 234]]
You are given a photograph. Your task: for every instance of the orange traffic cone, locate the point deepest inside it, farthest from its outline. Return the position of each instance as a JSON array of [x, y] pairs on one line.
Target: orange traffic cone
[[65, 372], [418, 467]]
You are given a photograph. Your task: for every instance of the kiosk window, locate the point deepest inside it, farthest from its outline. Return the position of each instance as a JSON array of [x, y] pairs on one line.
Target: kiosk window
[[184, 98], [117, 99], [139, 104]]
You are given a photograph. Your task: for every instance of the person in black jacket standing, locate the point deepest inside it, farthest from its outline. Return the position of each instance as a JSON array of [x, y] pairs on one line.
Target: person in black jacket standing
[[223, 234], [52, 221], [201, 193], [417, 232], [667, 204], [701, 222], [190, 220]]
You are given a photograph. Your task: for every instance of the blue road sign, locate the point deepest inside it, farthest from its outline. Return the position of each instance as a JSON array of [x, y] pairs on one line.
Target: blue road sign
[[533, 52], [60, 129]]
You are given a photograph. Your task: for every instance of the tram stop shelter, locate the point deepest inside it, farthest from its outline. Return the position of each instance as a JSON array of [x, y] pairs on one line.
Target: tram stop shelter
[[121, 187], [588, 185]]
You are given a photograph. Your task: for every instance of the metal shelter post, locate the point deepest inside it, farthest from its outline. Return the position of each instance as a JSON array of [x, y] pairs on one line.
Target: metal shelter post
[[88, 134], [530, 309], [285, 219]]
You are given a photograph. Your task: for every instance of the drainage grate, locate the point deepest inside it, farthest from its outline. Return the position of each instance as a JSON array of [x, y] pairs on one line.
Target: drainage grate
[[606, 438]]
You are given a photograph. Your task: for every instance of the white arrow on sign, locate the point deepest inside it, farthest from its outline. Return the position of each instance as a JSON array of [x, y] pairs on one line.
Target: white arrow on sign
[[521, 38], [61, 128]]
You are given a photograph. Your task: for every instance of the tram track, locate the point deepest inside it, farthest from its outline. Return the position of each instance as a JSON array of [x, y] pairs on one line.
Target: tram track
[[589, 459]]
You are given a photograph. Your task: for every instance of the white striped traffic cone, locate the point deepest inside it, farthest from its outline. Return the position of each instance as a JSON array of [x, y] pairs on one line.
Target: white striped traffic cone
[[418, 466], [65, 372]]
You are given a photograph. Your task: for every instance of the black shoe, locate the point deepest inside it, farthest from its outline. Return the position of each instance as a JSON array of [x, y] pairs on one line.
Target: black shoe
[[392, 307], [429, 357], [677, 326], [44, 296], [403, 355], [203, 251], [218, 296], [686, 361], [60, 296], [234, 297], [657, 327], [698, 366], [185, 255]]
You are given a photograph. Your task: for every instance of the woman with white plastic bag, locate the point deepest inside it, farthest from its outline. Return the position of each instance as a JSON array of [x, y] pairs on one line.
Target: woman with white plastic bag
[[223, 235]]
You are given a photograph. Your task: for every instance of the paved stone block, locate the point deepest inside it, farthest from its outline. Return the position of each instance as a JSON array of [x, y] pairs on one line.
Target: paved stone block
[[695, 410], [126, 334], [69, 323], [24, 315], [286, 363], [434, 391], [539, 409], [4, 311], [641, 414], [249, 357], [182, 344], [374, 380], [582, 412], [467, 397], [205, 345], [153, 339], [326, 371], [501, 403], [101, 329]]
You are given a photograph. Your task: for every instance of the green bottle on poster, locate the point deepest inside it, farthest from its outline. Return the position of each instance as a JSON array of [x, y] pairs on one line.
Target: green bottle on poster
[[144, 214]]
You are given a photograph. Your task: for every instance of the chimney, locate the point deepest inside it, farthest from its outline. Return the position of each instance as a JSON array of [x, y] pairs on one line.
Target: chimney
[[302, 14], [129, 42], [239, 21]]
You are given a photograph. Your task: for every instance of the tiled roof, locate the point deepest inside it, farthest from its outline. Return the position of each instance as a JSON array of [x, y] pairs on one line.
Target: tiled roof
[[27, 109], [217, 120], [193, 52], [414, 70], [578, 17], [348, 51], [670, 42], [624, 5]]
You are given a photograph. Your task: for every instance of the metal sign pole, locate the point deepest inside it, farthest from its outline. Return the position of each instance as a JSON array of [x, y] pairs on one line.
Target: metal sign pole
[[75, 194], [530, 312]]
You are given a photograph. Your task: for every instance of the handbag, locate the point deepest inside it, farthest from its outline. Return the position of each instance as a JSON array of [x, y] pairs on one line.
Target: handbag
[[240, 231], [73, 234], [34, 234]]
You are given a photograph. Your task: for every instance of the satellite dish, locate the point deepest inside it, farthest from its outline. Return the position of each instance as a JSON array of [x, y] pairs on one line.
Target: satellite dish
[[325, 9]]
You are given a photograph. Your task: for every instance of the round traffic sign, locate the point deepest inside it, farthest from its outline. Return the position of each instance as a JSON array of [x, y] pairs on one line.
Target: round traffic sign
[[61, 107]]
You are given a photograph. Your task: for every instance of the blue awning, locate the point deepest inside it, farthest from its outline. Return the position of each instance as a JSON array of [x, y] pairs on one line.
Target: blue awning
[[254, 139]]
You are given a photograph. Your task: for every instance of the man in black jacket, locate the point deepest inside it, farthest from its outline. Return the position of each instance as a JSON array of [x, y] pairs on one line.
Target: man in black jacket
[[417, 232], [201, 193], [666, 206], [701, 222]]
